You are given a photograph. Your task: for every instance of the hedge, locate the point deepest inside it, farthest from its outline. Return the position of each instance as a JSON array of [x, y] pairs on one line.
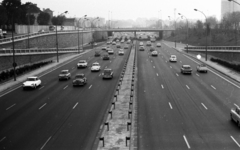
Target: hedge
[[232, 66]]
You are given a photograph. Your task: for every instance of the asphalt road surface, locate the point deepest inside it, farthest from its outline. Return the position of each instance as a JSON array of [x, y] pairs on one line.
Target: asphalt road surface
[[58, 115], [179, 111]]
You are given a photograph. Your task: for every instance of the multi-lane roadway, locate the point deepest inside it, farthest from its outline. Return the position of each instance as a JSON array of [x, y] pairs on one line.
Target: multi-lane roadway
[[179, 111], [58, 115]]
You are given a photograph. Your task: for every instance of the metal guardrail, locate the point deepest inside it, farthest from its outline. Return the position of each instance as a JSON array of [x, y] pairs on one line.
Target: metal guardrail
[[9, 52], [219, 48]]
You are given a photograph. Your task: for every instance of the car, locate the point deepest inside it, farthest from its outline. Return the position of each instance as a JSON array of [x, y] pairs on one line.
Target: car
[[113, 43], [186, 69], [128, 41], [118, 46], [64, 75], [235, 115], [125, 47], [141, 48], [103, 48], [80, 79], [153, 40], [159, 45], [120, 52], [52, 28], [141, 44], [149, 43], [173, 58], [154, 53], [202, 68], [109, 42], [41, 31], [82, 64], [122, 41], [107, 73], [97, 53], [108, 48], [152, 49], [106, 57], [95, 44], [32, 82], [117, 40], [110, 52], [95, 67]]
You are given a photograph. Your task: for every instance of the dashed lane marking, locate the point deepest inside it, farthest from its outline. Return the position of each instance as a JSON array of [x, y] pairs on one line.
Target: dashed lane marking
[[10, 107], [90, 87], [41, 87], [186, 141], [46, 143], [42, 106], [177, 74], [153, 66], [170, 105], [204, 106], [75, 105], [2, 139], [162, 86], [170, 66], [197, 74], [213, 87], [65, 87], [235, 141], [157, 74], [187, 86]]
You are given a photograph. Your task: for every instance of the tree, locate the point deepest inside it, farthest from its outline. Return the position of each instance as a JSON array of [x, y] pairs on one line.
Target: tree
[[43, 18], [3, 16], [58, 20], [28, 10]]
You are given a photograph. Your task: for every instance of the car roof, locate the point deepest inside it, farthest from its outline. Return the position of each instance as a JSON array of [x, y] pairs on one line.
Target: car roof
[[82, 60], [95, 63], [80, 74], [64, 70], [33, 77], [186, 65]]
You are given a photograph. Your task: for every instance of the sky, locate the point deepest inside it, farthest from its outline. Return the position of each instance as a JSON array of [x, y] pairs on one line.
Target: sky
[[132, 9]]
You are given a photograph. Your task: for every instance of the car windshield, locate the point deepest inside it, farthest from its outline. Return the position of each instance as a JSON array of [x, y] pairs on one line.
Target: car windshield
[[31, 79], [82, 61], [186, 67], [64, 72], [80, 76], [95, 65], [173, 56], [107, 71], [203, 65]]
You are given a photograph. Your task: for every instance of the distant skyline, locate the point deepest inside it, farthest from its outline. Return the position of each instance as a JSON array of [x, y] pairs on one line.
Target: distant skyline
[[132, 9]]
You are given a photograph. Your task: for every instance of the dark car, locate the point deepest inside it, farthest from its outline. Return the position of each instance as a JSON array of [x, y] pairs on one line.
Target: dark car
[[186, 69], [107, 73], [97, 54], [64, 75], [106, 57], [152, 49], [79, 79]]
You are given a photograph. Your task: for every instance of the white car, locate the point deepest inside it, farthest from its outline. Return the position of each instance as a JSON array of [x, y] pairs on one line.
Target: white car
[[202, 68], [95, 67], [149, 43], [173, 58], [32, 82], [110, 51], [121, 52], [141, 44], [158, 44], [82, 64], [154, 53], [64, 74]]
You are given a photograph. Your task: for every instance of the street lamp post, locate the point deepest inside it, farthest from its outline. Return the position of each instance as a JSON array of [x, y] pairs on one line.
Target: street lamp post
[[57, 36], [78, 32], [82, 31], [187, 29], [206, 33], [91, 31], [28, 27]]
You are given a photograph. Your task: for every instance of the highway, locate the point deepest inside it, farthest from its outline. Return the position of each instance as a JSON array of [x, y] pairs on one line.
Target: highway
[[177, 111], [58, 115]]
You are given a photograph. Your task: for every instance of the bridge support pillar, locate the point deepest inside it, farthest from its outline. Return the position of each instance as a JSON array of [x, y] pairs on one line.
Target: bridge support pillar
[[160, 35], [109, 33], [135, 34]]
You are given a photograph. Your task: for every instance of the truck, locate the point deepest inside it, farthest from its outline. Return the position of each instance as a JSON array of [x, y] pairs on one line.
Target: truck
[[235, 115]]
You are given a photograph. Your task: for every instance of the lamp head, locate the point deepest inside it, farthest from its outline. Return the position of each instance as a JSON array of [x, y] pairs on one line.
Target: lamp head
[[195, 9], [229, 0], [66, 12], [179, 13]]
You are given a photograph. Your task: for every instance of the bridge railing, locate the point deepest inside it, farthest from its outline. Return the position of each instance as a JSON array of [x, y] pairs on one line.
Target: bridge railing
[[36, 34], [8, 52]]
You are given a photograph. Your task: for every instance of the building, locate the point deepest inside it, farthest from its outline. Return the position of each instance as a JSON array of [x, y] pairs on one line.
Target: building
[[70, 22], [229, 7]]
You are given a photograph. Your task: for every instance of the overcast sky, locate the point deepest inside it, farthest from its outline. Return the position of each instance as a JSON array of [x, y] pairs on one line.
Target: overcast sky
[[132, 9]]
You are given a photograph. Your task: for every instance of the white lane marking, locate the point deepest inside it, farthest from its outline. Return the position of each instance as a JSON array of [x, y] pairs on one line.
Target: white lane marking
[[153, 66], [65, 87], [170, 66], [235, 141], [151, 60], [166, 61], [2, 139], [204, 106], [157, 74], [99, 74], [176, 74], [42, 106], [170, 105], [73, 67], [41, 87], [216, 74], [110, 61], [46, 142], [180, 61], [162, 86], [106, 67], [147, 59], [90, 87], [197, 74], [236, 105], [187, 86], [11, 106], [75, 105], [213, 87], [186, 141]]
